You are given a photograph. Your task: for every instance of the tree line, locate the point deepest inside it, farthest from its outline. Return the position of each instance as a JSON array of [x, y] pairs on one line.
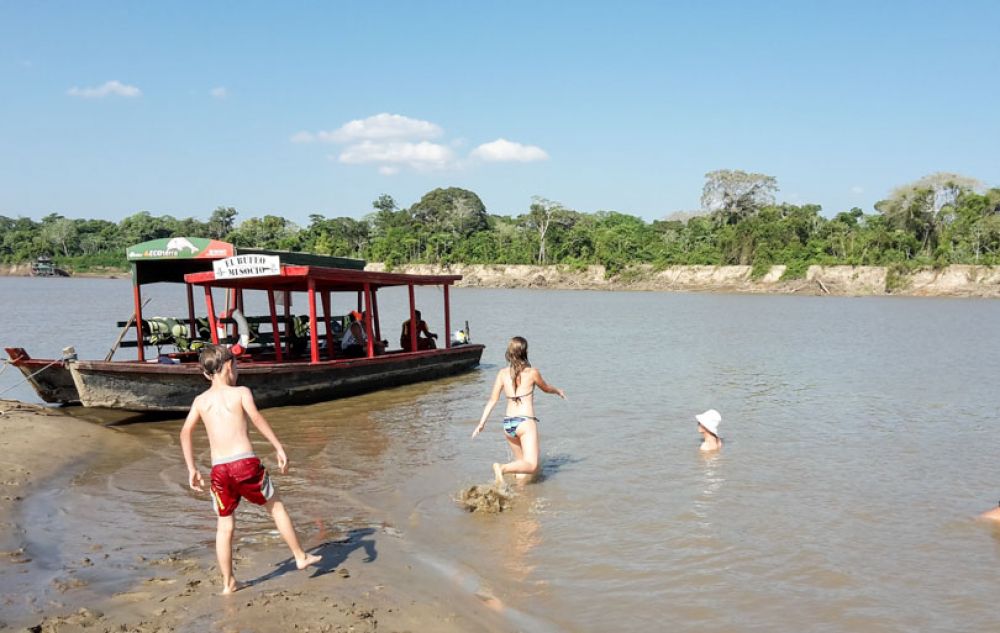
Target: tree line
[[937, 220]]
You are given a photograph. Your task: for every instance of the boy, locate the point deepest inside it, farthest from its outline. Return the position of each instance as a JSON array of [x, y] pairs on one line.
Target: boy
[[236, 471]]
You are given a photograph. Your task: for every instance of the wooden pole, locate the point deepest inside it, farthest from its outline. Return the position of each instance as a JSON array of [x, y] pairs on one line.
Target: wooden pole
[[327, 321], [121, 335], [413, 319], [212, 327], [313, 339], [368, 321], [140, 344], [230, 305], [275, 333], [289, 328], [192, 327], [447, 319], [378, 330]]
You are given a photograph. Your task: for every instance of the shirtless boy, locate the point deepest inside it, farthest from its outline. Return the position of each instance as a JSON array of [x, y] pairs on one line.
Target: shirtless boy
[[236, 471]]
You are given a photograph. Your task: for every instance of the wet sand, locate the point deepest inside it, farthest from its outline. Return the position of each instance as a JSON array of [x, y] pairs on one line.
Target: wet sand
[[349, 590]]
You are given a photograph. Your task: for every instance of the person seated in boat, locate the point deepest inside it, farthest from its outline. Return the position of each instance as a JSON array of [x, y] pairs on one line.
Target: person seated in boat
[[425, 338], [992, 515], [380, 346], [708, 426], [354, 343]]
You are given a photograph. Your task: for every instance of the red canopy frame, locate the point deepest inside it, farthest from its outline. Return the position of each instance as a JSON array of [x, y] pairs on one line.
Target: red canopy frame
[[315, 280]]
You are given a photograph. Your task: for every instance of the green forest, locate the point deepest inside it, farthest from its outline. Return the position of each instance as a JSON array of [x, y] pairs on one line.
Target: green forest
[[937, 220]]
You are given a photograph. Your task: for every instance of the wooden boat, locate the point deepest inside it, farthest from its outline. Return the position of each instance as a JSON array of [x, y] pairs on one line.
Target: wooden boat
[[51, 379], [288, 359], [45, 267]]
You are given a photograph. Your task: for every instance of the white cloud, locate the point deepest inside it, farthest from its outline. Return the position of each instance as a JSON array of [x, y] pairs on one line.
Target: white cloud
[[422, 155], [385, 126], [380, 127], [502, 150], [108, 88], [393, 142], [856, 190], [219, 92]]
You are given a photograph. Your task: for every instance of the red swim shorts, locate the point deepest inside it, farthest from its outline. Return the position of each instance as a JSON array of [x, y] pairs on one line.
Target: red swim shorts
[[242, 478]]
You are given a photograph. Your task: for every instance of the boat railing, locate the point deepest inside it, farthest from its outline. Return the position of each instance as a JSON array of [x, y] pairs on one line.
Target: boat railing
[[167, 332]]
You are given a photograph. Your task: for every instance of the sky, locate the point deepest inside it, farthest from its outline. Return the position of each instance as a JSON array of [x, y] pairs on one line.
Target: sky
[[110, 108]]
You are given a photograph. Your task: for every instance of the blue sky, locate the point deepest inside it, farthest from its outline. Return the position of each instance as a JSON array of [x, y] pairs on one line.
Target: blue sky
[[318, 107]]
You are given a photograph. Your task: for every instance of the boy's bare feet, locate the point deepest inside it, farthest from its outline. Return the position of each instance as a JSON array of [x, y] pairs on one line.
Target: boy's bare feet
[[498, 474], [307, 560], [232, 586]]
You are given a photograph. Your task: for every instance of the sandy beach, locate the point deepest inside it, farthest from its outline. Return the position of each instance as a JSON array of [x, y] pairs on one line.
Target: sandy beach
[[350, 590]]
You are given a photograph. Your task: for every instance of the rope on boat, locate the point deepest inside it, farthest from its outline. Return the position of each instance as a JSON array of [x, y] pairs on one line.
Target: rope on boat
[[26, 378]]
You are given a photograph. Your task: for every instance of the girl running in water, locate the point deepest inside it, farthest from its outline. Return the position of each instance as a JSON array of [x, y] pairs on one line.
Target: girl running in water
[[520, 426]]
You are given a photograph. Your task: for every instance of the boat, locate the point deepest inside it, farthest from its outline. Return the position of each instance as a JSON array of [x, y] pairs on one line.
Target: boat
[[45, 267], [284, 358]]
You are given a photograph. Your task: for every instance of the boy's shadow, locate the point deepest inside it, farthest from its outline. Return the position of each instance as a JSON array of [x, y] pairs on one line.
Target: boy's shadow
[[333, 554]]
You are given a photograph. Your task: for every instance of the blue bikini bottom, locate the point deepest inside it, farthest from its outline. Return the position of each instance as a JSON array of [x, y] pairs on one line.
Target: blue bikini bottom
[[510, 424]]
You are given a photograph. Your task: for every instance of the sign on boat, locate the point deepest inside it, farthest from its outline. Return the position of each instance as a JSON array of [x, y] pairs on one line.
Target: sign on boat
[[247, 266]]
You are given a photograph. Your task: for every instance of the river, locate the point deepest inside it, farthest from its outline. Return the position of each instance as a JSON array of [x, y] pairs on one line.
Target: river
[[860, 443]]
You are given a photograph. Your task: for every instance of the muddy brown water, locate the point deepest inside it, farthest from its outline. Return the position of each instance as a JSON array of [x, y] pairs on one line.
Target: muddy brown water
[[861, 440]]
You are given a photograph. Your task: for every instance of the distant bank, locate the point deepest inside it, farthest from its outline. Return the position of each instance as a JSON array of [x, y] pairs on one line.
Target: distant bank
[[951, 281], [24, 270]]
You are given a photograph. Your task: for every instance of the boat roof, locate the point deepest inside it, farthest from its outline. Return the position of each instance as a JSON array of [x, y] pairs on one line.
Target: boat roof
[[172, 258], [296, 278]]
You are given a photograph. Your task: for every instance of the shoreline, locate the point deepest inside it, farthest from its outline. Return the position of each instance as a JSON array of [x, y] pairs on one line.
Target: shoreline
[[45, 450], [956, 280]]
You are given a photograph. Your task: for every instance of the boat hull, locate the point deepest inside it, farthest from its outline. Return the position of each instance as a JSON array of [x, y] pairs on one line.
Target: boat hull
[[135, 386], [53, 382]]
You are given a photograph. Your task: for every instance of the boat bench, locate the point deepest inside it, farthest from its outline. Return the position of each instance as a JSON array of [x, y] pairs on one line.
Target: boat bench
[[257, 338], [257, 320]]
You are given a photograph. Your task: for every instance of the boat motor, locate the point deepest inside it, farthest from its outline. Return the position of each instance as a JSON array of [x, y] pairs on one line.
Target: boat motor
[[461, 337]]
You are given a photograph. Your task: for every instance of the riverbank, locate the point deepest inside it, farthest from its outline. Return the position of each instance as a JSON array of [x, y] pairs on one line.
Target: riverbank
[[854, 281], [43, 450], [950, 281], [24, 270]]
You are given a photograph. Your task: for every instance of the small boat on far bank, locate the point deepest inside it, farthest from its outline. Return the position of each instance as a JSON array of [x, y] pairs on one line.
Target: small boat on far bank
[[45, 267], [286, 358]]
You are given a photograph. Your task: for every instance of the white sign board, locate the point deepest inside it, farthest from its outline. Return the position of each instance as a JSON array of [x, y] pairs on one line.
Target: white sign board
[[247, 266]]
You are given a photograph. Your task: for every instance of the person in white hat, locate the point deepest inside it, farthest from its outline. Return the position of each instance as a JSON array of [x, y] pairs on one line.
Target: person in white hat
[[992, 515], [708, 426]]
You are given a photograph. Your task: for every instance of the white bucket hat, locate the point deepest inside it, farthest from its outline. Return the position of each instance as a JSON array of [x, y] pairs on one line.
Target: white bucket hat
[[710, 420]]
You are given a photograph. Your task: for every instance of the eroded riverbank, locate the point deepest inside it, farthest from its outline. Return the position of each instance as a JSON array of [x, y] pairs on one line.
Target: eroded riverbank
[[950, 281]]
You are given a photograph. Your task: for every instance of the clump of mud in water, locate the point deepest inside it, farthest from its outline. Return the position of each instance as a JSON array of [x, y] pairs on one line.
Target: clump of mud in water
[[491, 499]]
